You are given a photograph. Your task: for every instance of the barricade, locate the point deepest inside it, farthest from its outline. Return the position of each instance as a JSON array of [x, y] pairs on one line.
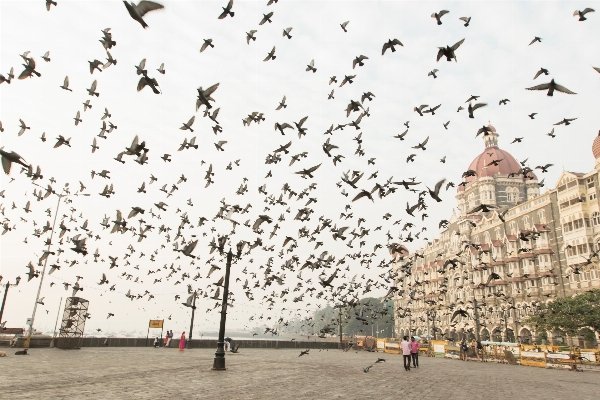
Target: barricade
[[438, 347], [392, 346]]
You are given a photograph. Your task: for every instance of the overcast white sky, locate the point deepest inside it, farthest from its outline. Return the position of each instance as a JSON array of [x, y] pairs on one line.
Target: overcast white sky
[[495, 62]]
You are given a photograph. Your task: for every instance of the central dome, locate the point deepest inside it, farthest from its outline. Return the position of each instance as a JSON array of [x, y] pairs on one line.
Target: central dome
[[596, 146], [508, 165]]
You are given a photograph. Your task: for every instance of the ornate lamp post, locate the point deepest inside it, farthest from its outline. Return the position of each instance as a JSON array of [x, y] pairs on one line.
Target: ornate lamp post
[[188, 344], [219, 360]]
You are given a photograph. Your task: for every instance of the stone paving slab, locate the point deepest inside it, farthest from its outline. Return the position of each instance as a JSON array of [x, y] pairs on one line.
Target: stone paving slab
[[148, 373]]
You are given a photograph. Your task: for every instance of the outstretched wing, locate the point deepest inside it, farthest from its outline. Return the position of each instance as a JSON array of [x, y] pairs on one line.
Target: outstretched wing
[[6, 164], [313, 169], [141, 84], [543, 86], [147, 6], [457, 44], [563, 89], [479, 105], [440, 53], [210, 90]]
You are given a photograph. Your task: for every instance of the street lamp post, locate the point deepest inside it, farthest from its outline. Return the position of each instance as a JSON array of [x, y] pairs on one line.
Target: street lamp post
[[219, 360], [476, 314], [340, 323], [4, 300], [56, 323], [30, 331], [189, 342]]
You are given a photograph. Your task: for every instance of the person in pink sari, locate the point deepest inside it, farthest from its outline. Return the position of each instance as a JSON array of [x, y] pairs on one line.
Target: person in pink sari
[[182, 342]]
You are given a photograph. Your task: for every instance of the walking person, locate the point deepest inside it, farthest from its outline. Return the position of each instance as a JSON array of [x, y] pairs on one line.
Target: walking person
[[479, 350], [182, 342], [414, 351], [464, 349], [406, 349]]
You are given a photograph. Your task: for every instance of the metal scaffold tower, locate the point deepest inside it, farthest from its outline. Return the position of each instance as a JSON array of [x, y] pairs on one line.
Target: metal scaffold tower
[[73, 323]]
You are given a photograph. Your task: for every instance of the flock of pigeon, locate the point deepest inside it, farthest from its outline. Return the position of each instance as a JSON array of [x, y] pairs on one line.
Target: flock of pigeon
[[221, 227]]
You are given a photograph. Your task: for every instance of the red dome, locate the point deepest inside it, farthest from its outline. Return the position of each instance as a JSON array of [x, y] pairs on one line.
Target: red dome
[[508, 165], [596, 146]]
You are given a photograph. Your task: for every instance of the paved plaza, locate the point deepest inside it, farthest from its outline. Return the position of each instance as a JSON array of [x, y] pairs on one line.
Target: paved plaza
[[148, 373]]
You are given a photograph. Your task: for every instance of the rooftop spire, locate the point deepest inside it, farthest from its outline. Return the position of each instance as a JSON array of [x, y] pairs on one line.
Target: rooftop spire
[[491, 139]]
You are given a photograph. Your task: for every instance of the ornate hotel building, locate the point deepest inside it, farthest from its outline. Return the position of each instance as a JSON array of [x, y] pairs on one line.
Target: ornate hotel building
[[540, 251]]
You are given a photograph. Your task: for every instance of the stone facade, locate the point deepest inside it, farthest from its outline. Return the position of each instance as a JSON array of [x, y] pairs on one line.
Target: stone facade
[[538, 250]]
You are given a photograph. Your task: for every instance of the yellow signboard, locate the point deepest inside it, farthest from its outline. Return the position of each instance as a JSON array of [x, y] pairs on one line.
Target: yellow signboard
[[156, 323]]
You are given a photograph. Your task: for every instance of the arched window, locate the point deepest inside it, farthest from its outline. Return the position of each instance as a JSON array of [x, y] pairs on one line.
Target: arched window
[[471, 199], [526, 222], [512, 194], [596, 218], [542, 216]]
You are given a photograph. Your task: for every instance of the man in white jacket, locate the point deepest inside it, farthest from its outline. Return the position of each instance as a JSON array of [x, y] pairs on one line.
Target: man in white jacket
[[405, 346]]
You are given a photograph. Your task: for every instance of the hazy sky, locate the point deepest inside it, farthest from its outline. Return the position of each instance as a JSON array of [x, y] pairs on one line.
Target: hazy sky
[[495, 62]]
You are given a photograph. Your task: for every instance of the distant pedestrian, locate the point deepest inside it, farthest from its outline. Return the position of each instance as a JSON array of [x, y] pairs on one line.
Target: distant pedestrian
[[168, 338], [479, 350], [406, 349], [414, 351], [156, 343], [227, 343], [182, 342], [464, 349]]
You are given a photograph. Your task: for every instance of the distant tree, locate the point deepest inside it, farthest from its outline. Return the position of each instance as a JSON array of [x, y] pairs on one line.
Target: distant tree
[[369, 315], [570, 314]]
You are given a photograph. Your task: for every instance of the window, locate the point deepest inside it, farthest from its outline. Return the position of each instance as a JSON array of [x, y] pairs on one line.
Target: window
[[531, 283], [578, 223], [526, 222], [471, 199], [513, 227], [512, 195], [542, 216], [592, 196], [582, 248], [590, 183]]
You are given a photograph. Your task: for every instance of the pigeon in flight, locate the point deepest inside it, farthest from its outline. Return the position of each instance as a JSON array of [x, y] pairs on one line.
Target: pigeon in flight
[[143, 7]]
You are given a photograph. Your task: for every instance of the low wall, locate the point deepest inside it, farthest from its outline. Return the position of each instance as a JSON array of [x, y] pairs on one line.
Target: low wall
[[205, 343], [37, 341]]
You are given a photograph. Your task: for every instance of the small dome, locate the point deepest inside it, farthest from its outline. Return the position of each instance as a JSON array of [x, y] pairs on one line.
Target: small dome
[[596, 146]]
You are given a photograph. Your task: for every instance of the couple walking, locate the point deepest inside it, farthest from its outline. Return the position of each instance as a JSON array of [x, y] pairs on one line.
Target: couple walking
[[410, 350], [168, 338], [182, 340]]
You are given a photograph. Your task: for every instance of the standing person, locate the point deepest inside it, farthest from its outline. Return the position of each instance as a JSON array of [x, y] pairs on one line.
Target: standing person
[[182, 342], [414, 351], [406, 348], [167, 339], [464, 348], [479, 350]]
